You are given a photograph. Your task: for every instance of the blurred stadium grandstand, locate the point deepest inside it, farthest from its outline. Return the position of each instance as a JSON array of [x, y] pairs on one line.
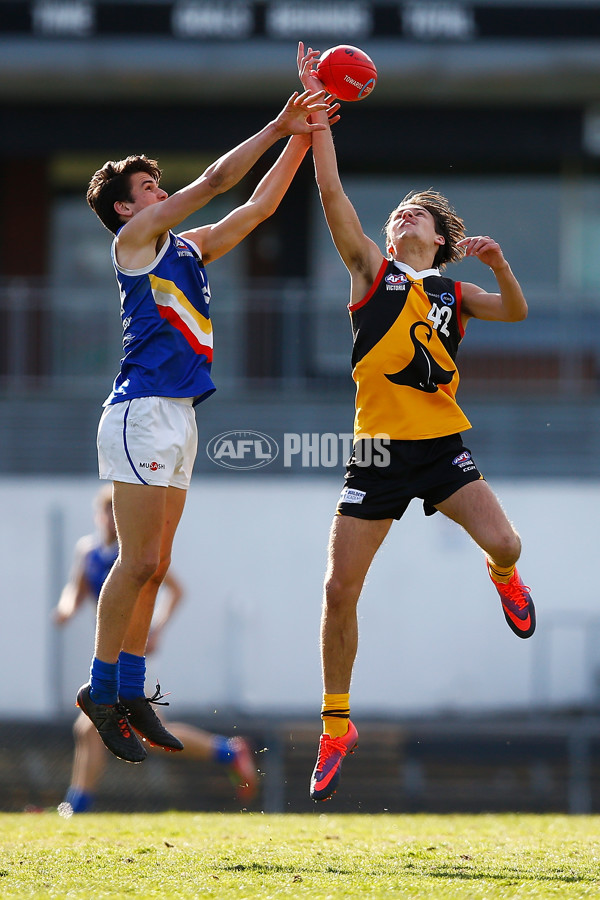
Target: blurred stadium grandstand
[[494, 102]]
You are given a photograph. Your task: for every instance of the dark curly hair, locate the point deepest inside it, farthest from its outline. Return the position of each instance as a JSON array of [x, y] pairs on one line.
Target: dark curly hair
[[447, 223], [112, 183]]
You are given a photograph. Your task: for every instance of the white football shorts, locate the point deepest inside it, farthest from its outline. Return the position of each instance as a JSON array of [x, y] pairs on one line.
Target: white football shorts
[[148, 440]]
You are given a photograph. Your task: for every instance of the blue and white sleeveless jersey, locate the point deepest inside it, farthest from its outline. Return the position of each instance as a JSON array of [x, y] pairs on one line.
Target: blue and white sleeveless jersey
[[167, 332]]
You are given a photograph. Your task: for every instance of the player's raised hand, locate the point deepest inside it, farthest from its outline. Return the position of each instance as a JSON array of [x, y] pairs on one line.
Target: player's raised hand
[[487, 250], [306, 68], [293, 118], [310, 81]]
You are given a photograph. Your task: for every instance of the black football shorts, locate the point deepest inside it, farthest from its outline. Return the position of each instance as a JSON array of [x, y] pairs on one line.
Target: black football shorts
[[380, 485]]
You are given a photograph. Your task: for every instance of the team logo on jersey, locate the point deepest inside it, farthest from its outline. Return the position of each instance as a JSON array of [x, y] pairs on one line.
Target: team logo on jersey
[[423, 372], [447, 299]]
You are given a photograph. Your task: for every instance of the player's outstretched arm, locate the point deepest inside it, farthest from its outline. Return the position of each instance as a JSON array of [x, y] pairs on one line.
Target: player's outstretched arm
[[361, 256], [509, 305], [224, 173], [217, 239], [77, 589]]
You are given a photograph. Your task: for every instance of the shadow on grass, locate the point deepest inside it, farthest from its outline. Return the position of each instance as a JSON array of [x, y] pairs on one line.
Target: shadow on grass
[[270, 868], [512, 875]]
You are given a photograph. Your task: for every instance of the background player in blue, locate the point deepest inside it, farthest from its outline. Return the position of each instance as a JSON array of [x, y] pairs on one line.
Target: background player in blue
[[407, 320], [94, 557], [147, 436]]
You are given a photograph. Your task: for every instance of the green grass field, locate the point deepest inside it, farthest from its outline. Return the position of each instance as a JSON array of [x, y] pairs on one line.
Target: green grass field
[[250, 855]]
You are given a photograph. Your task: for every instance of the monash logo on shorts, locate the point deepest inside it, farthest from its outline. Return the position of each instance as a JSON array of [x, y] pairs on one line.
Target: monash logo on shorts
[[153, 466], [242, 450]]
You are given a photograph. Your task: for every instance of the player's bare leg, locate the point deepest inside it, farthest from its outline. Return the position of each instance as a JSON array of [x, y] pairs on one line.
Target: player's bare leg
[[235, 754], [89, 761], [478, 510], [90, 755], [140, 512], [146, 519], [136, 637], [352, 546]]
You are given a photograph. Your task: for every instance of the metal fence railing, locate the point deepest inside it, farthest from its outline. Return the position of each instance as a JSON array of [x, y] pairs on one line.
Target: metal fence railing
[[282, 363], [278, 335]]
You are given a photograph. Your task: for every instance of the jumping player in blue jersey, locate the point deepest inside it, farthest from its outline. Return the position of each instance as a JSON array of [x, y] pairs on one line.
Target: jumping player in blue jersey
[[147, 435], [95, 555]]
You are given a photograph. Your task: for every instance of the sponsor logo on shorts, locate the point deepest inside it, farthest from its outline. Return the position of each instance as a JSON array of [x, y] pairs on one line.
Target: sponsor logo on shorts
[[242, 449], [461, 459], [153, 466], [464, 461], [351, 495]]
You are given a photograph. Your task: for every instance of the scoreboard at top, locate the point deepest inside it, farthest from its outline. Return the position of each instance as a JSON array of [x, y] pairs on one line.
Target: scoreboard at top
[[350, 21]]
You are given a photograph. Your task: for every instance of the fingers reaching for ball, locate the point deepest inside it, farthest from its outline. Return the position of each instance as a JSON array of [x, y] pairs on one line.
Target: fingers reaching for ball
[[332, 112], [294, 117], [307, 67]]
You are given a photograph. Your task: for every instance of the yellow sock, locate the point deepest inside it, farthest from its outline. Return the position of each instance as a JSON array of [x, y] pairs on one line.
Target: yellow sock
[[335, 713], [503, 574]]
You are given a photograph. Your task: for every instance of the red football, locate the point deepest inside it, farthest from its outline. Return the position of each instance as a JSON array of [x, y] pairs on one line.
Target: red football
[[347, 72]]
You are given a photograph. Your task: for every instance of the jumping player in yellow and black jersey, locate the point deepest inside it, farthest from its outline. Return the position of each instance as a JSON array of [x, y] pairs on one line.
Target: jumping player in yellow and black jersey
[[408, 321]]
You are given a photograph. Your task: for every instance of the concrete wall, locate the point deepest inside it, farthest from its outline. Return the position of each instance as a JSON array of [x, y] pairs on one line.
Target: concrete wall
[[251, 553]]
